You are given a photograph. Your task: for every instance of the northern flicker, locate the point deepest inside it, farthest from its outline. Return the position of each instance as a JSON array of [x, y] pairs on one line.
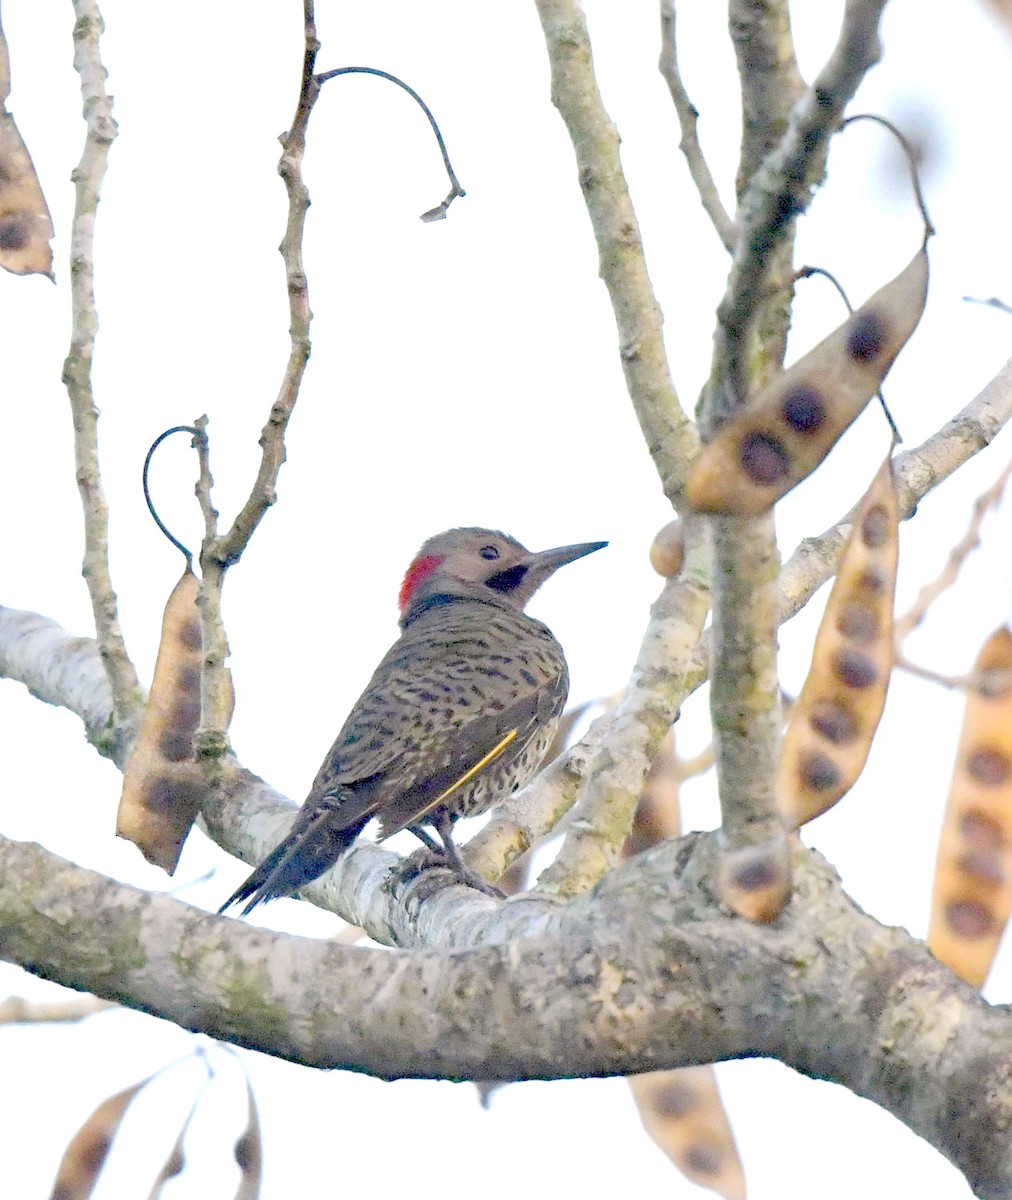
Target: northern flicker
[[459, 714]]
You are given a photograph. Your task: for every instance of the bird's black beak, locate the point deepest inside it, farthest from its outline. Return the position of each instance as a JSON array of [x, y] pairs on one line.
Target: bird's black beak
[[550, 560]]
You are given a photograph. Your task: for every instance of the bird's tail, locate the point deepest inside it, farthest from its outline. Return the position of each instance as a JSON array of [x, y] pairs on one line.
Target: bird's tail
[[312, 846]]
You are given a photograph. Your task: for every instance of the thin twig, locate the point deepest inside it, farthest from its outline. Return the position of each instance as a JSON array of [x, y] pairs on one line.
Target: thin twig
[[987, 683], [439, 212], [959, 553], [688, 117], [147, 490], [909, 155], [218, 553], [990, 302], [87, 177], [210, 741], [227, 549]]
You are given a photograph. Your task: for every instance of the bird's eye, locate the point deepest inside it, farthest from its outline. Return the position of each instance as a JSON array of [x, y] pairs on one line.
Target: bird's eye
[[489, 552]]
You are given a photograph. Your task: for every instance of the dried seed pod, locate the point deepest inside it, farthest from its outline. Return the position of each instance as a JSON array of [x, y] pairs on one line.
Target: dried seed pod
[[25, 225], [249, 1151], [682, 1111], [88, 1150], [667, 551], [793, 423], [162, 785], [836, 715], [972, 895], [755, 881]]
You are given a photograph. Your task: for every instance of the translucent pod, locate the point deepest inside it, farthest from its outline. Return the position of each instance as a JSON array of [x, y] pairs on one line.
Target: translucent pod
[[972, 894], [683, 1113], [835, 717], [792, 424], [162, 784], [667, 551]]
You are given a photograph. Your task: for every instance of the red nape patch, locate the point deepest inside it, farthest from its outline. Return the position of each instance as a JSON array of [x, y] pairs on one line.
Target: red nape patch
[[424, 565]]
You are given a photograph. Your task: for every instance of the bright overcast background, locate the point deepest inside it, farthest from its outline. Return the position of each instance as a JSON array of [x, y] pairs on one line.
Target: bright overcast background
[[465, 372]]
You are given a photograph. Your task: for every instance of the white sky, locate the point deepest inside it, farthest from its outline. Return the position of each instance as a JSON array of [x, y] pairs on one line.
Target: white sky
[[462, 373]]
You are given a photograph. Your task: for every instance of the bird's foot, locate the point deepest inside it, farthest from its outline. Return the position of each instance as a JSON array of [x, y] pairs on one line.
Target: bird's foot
[[426, 859]]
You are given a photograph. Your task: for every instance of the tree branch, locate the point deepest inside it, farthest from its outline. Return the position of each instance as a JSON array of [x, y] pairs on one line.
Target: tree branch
[[644, 973], [228, 549], [780, 189], [87, 178], [688, 118], [670, 435]]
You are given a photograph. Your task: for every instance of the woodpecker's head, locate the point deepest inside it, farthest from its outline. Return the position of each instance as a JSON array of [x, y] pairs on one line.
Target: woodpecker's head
[[481, 564]]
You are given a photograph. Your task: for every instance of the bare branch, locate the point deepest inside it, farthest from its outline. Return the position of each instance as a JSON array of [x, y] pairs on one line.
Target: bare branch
[[744, 691], [218, 553], [929, 593], [872, 1010], [60, 668], [688, 117], [227, 549], [670, 435], [780, 189], [87, 177]]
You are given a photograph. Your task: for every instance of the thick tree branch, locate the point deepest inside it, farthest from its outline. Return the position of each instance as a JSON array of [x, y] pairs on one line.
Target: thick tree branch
[[645, 972], [670, 435], [87, 178], [59, 668]]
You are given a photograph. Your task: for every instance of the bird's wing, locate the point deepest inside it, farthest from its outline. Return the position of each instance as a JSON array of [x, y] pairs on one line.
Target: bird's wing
[[420, 771], [459, 758]]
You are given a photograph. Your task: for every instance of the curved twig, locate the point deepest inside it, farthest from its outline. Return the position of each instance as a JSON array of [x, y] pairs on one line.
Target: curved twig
[[908, 154], [439, 212], [147, 492]]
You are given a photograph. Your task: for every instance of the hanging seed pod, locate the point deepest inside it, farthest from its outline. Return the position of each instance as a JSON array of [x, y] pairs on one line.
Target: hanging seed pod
[[683, 1113], [25, 225], [667, 551], [793, 423], [162, 785], [972, 895], [836, 715], [681, 1109], [88, 1150], [755, 881]]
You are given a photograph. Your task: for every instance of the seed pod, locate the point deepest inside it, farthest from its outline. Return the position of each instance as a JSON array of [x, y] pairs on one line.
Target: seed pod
[[667, 551], [972, 894], [682, 1111], [25, 225], [793, 423], [755, 881], [836, 715], [162, 785], [88, 1150]]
